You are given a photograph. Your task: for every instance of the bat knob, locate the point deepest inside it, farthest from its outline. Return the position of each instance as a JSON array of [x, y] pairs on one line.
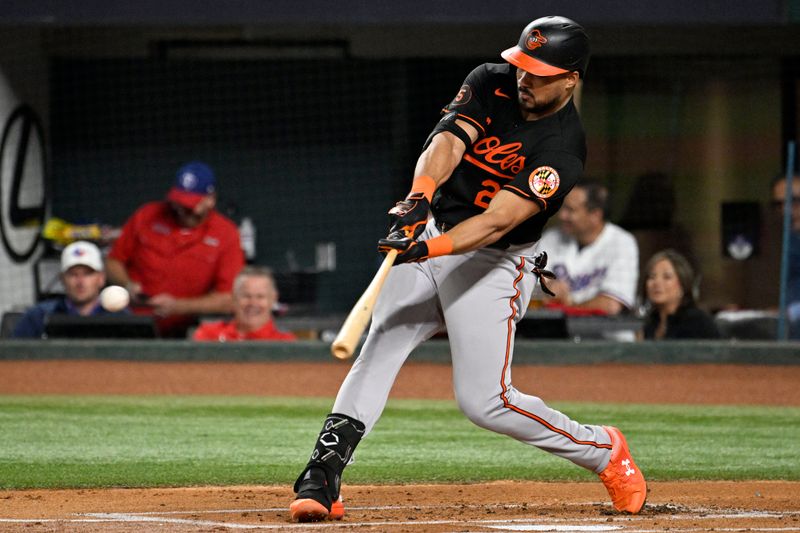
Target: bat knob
[[340, 351]]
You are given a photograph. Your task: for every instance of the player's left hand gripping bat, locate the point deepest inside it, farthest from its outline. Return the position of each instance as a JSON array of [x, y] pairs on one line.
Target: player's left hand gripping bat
[[346, 341]]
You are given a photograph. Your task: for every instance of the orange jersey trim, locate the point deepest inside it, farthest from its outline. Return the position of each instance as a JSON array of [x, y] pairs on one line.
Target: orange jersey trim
[[469, 119], [473, 122], [507, 363], [519, 191], [485, 167]]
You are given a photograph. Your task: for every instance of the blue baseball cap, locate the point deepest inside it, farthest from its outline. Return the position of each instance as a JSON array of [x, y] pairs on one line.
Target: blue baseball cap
[[194, 181]]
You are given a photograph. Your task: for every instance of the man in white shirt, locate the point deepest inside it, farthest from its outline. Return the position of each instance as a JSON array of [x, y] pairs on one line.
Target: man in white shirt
[[595, 261]]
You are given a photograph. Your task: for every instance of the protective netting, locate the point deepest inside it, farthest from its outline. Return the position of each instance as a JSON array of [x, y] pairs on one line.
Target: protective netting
[[313, 150]]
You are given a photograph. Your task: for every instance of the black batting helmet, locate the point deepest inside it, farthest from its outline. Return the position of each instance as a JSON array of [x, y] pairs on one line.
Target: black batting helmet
[[550, 46]]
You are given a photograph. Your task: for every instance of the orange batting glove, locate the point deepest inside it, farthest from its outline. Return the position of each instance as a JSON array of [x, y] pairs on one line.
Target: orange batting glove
[[409, 216]]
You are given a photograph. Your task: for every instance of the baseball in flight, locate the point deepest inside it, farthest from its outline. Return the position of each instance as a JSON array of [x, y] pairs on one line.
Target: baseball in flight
[[114, 298]]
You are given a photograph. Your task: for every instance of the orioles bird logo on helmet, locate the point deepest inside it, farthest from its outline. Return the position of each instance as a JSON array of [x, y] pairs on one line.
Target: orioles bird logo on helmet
[[534, 40]]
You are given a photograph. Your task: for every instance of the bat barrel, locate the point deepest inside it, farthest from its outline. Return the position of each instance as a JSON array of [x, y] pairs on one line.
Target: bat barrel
[[350, 333]]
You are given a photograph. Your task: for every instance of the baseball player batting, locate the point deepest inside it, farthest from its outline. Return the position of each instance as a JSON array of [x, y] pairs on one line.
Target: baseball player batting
[[498, 164]]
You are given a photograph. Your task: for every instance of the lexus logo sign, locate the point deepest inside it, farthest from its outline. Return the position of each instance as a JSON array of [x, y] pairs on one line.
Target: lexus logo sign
[[24, 191]]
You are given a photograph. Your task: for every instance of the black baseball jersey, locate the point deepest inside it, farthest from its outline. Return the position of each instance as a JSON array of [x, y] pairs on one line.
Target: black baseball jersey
[[538, 160]]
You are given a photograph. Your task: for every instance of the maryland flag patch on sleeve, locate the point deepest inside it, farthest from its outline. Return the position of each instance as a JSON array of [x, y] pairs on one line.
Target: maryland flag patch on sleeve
[[544, 181]]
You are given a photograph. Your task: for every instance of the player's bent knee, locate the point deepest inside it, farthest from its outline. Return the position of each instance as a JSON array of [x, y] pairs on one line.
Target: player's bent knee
[[480, 411]]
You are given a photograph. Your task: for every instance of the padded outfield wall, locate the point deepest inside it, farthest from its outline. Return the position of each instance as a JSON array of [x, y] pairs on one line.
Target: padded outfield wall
[[438, 351]]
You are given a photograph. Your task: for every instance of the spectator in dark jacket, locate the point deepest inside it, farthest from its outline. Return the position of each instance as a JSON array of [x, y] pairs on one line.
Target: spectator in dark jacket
[[83, 277], [669, 291]]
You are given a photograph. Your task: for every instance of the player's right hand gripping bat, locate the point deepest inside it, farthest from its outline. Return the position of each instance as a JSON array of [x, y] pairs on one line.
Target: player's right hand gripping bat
[[346, 341]]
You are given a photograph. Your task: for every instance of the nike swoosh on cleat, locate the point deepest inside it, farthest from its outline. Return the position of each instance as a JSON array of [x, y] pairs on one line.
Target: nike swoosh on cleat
[[501, 94]]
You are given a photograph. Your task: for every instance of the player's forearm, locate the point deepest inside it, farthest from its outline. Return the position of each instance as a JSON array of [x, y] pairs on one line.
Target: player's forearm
[[477, 232], [505, 212], [440, 158]]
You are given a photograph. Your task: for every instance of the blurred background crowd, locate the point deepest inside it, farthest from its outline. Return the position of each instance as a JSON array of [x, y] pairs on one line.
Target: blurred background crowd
[[307, 124]]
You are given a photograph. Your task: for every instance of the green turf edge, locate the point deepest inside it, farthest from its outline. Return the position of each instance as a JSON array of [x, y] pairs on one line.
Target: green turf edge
[[160, 441]]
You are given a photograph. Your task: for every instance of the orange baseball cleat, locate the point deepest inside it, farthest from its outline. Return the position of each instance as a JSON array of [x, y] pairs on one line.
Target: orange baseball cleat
[[622, 478], [337, 510], [310, 510]]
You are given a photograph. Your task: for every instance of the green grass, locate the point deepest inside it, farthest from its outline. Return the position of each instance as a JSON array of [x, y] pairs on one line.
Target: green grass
[[101, 441]]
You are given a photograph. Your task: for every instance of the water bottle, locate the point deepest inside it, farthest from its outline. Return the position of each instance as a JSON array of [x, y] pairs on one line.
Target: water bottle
[[247, 236]]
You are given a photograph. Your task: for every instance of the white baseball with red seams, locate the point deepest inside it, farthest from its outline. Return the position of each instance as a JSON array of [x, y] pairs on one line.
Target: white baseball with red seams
[[114, 298]]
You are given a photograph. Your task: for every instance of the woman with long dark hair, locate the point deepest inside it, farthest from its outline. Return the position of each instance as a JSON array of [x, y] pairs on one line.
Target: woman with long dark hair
[[669, 293]]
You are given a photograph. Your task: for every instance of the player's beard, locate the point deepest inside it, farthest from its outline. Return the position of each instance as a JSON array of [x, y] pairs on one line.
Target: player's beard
[[538, 107]]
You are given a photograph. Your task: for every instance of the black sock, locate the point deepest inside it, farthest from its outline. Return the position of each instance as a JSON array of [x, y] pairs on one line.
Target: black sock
[[322, 476]]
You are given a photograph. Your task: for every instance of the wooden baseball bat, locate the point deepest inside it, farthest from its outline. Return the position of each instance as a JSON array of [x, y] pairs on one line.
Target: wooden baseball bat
[[346, 341]]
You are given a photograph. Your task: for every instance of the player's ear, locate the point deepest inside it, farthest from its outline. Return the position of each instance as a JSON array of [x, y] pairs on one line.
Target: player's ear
[[572, 79]]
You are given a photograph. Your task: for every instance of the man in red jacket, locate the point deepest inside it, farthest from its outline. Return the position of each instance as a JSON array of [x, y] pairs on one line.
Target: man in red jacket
[[254, 296], [178, 257]]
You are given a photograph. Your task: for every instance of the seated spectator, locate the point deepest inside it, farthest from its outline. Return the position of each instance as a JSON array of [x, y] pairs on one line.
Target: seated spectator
[[83, 277], [669, 292], [254, 297], [596, 262], [178, 257], [779, 193]]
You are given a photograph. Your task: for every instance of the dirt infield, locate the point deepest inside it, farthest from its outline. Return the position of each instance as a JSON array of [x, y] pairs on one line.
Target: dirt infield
[[691, 384], [501, 506]]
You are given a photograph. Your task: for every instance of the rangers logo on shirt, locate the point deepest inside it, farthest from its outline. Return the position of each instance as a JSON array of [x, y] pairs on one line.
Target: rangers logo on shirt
[[544, 182]]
